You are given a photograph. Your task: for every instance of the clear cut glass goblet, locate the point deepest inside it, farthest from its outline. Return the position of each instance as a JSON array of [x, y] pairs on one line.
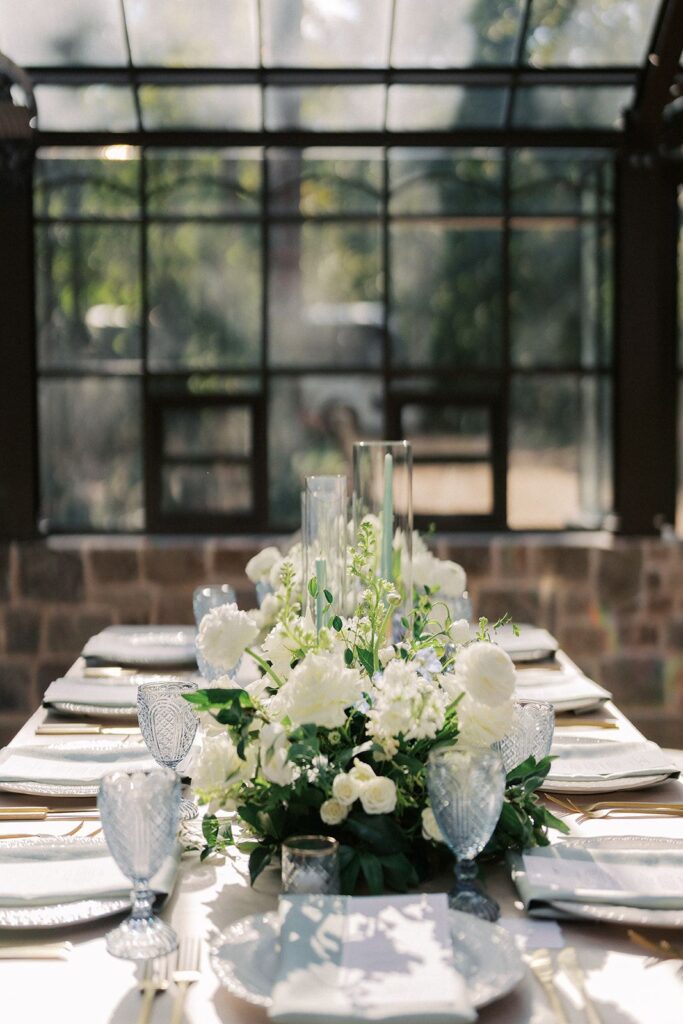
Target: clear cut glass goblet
[[466, 789], [168, 725], [530, 733], [139, 813]]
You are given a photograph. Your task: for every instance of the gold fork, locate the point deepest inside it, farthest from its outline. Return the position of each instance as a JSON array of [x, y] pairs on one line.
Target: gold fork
[[568, 960], [662, 949], [541, 964], [154, 979], [186, 973], [60, 835]]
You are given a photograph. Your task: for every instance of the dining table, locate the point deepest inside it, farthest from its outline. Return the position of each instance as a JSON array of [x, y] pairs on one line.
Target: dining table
[[626, 984]]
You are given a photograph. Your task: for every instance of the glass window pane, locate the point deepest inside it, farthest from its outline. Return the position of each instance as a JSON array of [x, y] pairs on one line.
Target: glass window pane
[[201, 106], [445, 294], [581, 33], [202, 33], [559, 471], [208, 431], [102, 182], [325, 295], [212, 489], [317, 33], [204, 384], [83, 108], [203, 181], [91, 454], [37, 32], [575, 106], [320, 181], [464, 181], [204, 296], [442, 107], [561, 181], [431, 33], [331, 108], [88, 296], [560, 294], [324, 416]]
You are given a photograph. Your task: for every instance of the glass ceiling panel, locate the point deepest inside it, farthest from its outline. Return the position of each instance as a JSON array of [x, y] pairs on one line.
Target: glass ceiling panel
[[442, 107], [334, 108], [200, 33], [582, 33], [434, 33], [577, 106], [35, 32], [227, 107], [82, 108], [325, 33]]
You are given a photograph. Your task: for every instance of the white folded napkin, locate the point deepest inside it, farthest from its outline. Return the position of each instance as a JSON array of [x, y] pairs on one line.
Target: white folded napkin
[[559, 688], [635, 877], [531, 640], [585, 759], [372, 958], [143, 645], [66, 870], [71, 763], [99, 693]]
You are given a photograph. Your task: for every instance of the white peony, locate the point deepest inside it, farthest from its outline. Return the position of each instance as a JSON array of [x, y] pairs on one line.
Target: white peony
[[449, 578], [279, 649], [333, 812], [274, 753], [378, 796], [362, 772], [346, 789], [481, 724], [259, 567], [218, 767], [449, 684], [430, 827], [270, 609], [319, 691], [224, 634], [486, 672], [459, 631]]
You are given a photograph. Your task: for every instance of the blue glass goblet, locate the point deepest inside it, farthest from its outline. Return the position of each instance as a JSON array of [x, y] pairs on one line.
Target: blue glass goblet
[[168, 725], [211, 596], [466, 789], [139, 813]]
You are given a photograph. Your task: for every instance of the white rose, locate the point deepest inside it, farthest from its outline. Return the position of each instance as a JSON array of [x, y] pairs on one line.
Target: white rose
[[378, 796], [486, 672], [449, 684], [430, 827], [481, 725], [333, 812], [319, 691], [386, 655], [362, 772], [258, 568], [345, 789], [218, 765], [224, 634], [274, 753], [459, 631]]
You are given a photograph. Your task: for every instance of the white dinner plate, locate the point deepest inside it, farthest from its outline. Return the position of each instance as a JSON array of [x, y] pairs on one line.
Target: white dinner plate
[[604, 785], [39, 787], [245, 958], [73, 709]]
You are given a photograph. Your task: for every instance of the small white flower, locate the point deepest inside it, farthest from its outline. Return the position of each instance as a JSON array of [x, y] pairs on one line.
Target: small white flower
[[386, 655], [346, 789], [486, 672], [430, 827], [459, 631], [223, 635], [362, 772], [378, 796], [333, 812], [258, 568]]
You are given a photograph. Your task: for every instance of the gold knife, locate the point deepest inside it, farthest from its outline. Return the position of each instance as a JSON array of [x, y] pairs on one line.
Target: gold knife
[[85, 729], [116, 671], [585, 722], [42, 813], [37, 951]]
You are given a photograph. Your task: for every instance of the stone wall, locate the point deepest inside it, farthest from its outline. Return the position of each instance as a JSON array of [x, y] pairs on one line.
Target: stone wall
[[615, 605]]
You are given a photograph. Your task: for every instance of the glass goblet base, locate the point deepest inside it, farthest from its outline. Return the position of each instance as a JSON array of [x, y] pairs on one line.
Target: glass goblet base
[[188, 810], [468, 894], [141, 939]]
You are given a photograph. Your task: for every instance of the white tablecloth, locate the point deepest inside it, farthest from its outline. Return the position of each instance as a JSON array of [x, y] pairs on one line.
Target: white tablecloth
[[94, 988]]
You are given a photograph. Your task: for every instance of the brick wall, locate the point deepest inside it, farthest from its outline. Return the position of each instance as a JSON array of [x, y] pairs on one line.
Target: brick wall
[[616, 606]]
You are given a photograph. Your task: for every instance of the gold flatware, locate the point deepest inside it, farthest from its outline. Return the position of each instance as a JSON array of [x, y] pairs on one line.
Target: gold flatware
[[568, 960], [85, 729], [541, 963], [662, 949], [186, 973], [60, 835], [611, 808], [570, 723], [37, 951], [105, 672], [41, 813], [154, 979]]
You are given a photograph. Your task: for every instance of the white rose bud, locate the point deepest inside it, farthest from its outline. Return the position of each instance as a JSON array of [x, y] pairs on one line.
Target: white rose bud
[[459, 631], [345, 789], [333, 812], [386, 655], [361, 772], [378, 796], [430, 828]]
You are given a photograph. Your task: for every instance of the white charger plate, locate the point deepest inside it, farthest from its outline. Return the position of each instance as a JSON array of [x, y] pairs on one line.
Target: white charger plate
[[601, 783], [75, 710], [245, 958], [147, 646], [71, 789]]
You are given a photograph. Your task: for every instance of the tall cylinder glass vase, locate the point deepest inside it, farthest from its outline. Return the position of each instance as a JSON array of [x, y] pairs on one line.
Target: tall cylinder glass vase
[[324, 517], [383, 495]]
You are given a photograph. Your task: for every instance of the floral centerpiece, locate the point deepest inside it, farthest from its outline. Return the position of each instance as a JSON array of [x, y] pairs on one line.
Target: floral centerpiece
[[335, 732]]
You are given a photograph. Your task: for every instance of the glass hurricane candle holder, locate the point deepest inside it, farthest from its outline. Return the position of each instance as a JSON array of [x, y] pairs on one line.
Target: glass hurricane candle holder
[[310, 864], [324, 515], [531, 733]]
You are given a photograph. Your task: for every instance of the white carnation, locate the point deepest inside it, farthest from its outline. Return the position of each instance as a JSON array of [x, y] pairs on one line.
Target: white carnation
[[362, 772], [486, 672], [430, 827], [319, 690], [270, 609], [378, 796], [346, 789], [333, 812], [274, 753], [258, 568], [223, 635], [480, 724], [459, 631]]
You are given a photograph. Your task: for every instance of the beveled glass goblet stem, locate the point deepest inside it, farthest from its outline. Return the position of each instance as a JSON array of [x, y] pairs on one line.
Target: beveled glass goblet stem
[[469, 895]]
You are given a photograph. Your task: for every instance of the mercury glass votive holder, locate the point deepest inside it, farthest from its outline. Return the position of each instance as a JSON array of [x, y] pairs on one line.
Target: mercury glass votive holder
[[310, 864], [531, 733]]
